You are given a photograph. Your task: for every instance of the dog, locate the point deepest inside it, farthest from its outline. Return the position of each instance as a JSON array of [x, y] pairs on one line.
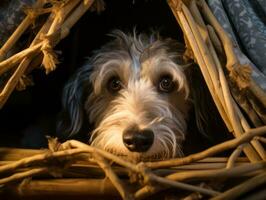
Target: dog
[[135, 94]]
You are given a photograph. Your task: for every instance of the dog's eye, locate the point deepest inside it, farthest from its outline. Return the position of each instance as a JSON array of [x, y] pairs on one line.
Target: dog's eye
[[166, 84], [114, 84]]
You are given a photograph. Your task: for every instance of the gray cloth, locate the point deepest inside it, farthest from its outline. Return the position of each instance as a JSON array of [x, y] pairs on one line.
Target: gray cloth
[[11, 15], [246, 30], [258, 44], [250, 29]]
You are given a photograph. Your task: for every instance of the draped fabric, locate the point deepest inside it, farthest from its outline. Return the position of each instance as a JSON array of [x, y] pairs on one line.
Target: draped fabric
[[11, 14], [245, 22], [250, 33]]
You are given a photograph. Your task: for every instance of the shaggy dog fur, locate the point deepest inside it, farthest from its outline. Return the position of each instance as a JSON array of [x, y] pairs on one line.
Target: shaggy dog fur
[[133, 87]]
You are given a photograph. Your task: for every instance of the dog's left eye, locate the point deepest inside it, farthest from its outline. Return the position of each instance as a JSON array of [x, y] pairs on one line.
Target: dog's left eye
[[114, 84], [166, 84]]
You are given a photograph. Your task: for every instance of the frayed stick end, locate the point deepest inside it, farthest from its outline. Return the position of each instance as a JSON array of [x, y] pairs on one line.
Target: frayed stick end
[[241, 74], [50, 59]]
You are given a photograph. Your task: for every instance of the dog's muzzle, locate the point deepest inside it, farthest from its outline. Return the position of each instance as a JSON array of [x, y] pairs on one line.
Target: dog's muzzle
[[137, 140]]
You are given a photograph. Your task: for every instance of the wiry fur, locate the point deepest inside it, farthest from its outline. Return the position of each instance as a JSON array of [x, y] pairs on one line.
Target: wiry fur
[[139, 62]]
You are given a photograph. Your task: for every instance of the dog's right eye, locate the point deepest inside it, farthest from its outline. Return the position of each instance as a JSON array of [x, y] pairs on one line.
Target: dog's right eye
[[114, 84], [166, 84]]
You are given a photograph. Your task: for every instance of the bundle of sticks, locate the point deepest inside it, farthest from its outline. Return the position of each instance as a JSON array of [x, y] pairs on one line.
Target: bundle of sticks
[[63, 15], [75, 168]]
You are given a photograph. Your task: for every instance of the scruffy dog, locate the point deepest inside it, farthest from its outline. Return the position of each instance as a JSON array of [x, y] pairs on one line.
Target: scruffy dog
[[135, 94]]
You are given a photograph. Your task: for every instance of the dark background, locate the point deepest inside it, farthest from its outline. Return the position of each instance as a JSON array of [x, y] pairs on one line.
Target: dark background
[[31, 114]]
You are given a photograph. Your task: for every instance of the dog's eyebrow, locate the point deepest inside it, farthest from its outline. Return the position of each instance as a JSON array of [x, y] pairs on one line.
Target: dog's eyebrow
[[114, 67], [156, 66]]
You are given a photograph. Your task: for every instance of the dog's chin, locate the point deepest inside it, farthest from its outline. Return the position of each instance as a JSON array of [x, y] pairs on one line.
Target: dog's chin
[[136, 157]]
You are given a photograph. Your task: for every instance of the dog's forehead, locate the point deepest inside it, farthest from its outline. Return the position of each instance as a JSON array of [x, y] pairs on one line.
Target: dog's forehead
[[151, 65], [135, 58]]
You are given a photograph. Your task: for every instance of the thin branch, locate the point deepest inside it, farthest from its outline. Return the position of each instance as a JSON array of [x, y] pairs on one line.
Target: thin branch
[[246, 137], [22, 175], [210, 64], [105, 154], [236, 153], [181, 18], [10, 62], [243, 188], [50, 58], [69, 152], [218, 173], [29, 19], [119, 185], [238, 171], [183, 186], [261, 139]]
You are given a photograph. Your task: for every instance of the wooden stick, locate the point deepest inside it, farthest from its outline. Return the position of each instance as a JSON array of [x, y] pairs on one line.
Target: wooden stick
[[252, 154], [14, 154], [86, 148], [180, 17], [119, 185], [262, 139], [83, 148], [227, 44], [234, 156], [10, 62], [65, 187], [69, 152], [234, 109], [243, 188], [183, 186], [75, 16], [12, 82], [70, 21], [49, 57], [22, 175], [215, 40], [88, 168], [67, 25], [259, 148], [246, 137], [225, 90], [238, 171], [19, 31]]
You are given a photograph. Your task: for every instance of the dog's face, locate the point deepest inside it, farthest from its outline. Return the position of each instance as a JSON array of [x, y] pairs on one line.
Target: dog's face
[[135, 94]]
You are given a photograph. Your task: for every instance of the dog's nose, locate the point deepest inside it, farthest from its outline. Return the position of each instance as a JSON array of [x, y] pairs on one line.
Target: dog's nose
[[138, 140]]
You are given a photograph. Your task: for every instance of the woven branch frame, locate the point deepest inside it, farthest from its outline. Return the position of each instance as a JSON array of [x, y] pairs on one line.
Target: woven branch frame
[[206, 43]]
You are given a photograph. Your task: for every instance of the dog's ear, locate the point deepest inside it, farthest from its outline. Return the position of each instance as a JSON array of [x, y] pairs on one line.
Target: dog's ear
[[70, 120], [207, 117]]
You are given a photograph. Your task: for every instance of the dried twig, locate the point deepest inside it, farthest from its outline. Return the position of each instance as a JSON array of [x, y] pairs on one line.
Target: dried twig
[[209, 64], [22, 175], [183, 186], [262, 139], [181, 18], [243, 188], [64, 153], [19, 31], [246, 137], [125, 194], [81, 148], [49, 27], [234, 156], [13, 60], [242, 170], [96, 187]]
